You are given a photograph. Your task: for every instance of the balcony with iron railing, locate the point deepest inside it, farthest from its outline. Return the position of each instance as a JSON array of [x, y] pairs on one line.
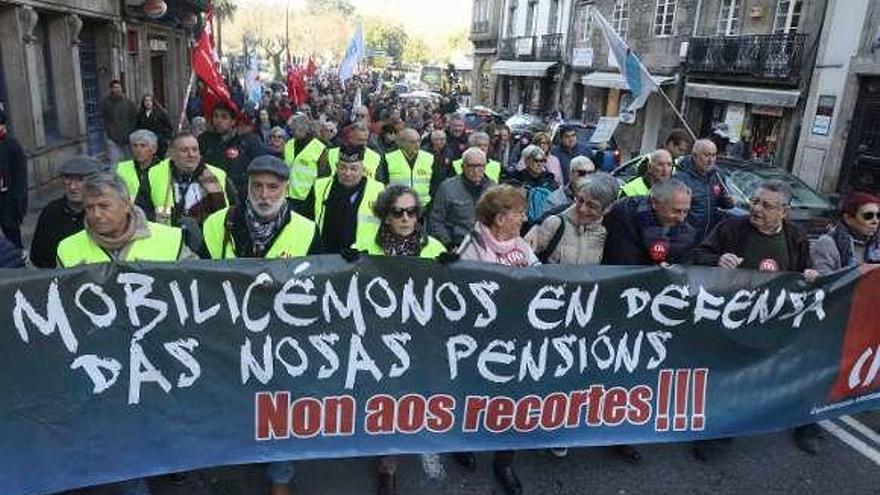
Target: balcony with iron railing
[[546, 48], [483, 31], [770, 58]]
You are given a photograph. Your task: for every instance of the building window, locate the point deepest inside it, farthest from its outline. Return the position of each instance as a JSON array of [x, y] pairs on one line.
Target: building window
[[620, 17], [553, 20], [530, 17], [664, 18], [511, 18], [46, 81], [583, 28], [728, 18], [788, 16]]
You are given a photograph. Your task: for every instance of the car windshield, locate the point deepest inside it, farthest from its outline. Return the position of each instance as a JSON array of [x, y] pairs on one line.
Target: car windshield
[[746, 181]]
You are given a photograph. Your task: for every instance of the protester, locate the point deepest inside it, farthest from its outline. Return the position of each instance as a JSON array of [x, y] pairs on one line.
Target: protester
[[709, 193], [443, 168], [563, 196], [651, 230], [264, 225], [264, 125], [538, 183], [119, 116], [358, 136], [456, 138], [567, 149], [305, 154], [184, 190], [453, 209], [13, 184], [853, 240], [542, 140], [401, 233], [275, 144], [496, 239], [114, 229], [153, 117], [500, 147], [409, 166], [10, 255], [480, 140], [134, 172], [576, 236], [198, 126], [342, 204], [659, 168], [228, 148]]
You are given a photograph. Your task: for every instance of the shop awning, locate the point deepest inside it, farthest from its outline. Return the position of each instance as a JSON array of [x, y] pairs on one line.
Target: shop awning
[[615, 80], [744, 94], [523, 69]]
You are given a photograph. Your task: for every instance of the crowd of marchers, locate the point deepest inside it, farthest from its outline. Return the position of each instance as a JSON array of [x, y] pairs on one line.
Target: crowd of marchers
[[395, 178]]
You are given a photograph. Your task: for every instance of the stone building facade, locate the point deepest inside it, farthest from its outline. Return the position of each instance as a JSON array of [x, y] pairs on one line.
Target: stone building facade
[[57, 59], [485, 29]]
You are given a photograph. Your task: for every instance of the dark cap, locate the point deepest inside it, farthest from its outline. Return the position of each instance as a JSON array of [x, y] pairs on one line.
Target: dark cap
[[351, 154], [81, 166], [270, 164]]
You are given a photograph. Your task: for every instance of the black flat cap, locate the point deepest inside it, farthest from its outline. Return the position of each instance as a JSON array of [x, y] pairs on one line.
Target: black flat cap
[[351, 154], [81, 166], [270, 164]]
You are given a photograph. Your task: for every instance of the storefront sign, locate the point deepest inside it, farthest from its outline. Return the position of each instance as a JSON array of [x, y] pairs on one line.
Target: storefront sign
[[824, 112], [734, 118], [604, 129], [158, 45], [582, 57]]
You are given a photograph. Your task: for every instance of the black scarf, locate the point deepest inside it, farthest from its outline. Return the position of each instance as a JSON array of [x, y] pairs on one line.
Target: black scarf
[[395, 245], [263, 231]]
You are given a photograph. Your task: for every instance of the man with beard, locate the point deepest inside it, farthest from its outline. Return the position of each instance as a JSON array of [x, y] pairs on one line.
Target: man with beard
[[306, 156], [227, 148], [264, 225], [64, 216], [342, 204]]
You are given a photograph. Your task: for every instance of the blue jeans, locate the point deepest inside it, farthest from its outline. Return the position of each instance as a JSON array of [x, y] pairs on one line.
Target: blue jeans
[[280, 473]]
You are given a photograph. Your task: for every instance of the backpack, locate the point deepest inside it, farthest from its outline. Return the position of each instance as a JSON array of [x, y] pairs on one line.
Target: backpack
[[544, 255], [537, 198]]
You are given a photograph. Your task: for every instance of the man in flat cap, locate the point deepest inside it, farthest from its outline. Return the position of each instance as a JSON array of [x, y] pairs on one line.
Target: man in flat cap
[[342, 204], [64, 216], [264, 225]]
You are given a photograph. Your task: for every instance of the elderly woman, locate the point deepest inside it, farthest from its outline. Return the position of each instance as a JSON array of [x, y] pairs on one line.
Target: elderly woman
[[576, 236], [400, 232], [538, 183], [853, 240], [496, 239], [542, 140], [277, 139]]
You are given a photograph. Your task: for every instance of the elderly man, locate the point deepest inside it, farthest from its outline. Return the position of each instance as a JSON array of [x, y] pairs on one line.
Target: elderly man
[[64, 216], [144, 144], [264, 225], [228, 148], [442, 159], [709, 192], [305, 154], [185, 189], [764, 240], [342, 205], [659, 168], [456, 138], [358, 136], [481, 140], [650, 230], [409, 166], [567, 149], [453, 212], [117, 230]]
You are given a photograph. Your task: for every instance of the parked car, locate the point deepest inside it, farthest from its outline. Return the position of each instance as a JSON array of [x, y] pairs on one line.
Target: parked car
[[811, 212], [611, 157], [476, 118]]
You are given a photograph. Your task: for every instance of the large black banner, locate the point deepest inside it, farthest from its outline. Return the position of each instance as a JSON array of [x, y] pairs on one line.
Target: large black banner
[[120, 371]]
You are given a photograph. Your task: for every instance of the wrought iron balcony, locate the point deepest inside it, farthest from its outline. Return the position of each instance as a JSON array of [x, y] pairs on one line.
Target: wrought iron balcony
[[774, 57], [480, 27], [544, 48]]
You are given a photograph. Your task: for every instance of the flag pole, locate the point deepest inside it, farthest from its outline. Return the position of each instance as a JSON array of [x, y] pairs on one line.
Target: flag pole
[[189, 87], [677, 113]]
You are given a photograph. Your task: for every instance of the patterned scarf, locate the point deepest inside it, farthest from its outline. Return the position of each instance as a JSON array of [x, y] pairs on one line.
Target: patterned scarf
[[395, 245], [262, 231]]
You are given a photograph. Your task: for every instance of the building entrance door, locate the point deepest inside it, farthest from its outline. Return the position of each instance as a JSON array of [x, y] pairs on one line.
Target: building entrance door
[[88, 60], [861, 162], [157, 66]]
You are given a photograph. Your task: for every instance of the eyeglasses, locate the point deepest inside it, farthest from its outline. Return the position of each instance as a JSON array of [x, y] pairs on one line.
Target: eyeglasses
[[766, 204], [581, 172], [474, 165], [411, 212], [540, 160], [870, 215], [590, 204]]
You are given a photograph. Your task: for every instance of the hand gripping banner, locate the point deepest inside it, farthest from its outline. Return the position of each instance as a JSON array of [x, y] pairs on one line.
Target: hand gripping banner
[[113, 372]]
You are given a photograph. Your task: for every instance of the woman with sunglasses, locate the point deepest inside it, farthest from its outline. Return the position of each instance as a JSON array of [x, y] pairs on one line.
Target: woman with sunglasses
[[537, 182], [853, 240], [400, 234], [542, 140]]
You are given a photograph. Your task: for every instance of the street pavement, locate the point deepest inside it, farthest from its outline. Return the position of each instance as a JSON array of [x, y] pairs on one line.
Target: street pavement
[[848, 463], [761, 464]]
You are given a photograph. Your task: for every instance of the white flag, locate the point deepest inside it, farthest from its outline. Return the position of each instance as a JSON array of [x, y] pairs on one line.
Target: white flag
[[636, 76], [353, 55]]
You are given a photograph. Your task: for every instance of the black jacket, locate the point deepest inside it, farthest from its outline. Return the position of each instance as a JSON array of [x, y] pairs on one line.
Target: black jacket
[[57, 222], [159, 123], [10, 255], [232, 154], [13, 181], [730, 237], [633, 232]]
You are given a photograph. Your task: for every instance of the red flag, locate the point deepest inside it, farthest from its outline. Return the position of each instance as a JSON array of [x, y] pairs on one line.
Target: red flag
[[311, 69], [296, 87], [206, 65]]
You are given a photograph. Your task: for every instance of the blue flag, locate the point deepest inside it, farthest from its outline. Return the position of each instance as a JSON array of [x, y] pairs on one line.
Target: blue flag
[[636, 76], [353, 55]]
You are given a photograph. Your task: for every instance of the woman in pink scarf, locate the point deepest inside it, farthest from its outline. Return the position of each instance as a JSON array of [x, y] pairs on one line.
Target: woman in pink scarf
[[501, 212], [496, 235]]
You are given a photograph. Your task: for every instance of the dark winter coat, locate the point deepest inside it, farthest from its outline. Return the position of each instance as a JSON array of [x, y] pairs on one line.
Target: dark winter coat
[[13, 181], [709, 194], [635, 237], [232, 154], [731, 235], [57, 221], [119, 116]]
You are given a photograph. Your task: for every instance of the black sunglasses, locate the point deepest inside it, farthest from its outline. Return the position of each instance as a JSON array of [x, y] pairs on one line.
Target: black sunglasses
[[870, 215], [412, 212], [581, 172]]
